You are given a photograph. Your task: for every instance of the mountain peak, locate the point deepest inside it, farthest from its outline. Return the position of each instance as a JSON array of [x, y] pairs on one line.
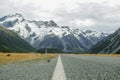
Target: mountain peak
[[11, 20], [50, 23], [14, 15], [17, 14], [88, 31]]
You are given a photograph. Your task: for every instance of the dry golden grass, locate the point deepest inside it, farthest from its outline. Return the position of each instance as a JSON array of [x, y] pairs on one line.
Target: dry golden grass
[[15, 57], [109, 55]]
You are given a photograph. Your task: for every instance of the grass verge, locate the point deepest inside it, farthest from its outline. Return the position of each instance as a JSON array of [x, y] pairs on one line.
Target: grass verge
[[108, 55], [15, 57]]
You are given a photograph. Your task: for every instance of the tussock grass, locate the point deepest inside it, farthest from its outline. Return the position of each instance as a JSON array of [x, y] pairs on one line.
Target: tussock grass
[[15, 57], [107, 55]]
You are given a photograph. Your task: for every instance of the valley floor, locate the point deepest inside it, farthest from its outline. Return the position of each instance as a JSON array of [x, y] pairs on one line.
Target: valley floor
[[72, 67]]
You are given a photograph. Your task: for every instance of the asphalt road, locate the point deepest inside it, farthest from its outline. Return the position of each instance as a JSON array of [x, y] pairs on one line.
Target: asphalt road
[[91, 68], [69, 67]]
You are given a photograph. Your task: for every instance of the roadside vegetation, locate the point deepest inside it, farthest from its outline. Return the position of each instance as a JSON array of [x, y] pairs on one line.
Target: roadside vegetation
[[15, 57], [109, 55]]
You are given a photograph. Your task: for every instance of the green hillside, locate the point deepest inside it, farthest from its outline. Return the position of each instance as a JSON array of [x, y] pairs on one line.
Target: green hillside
[[11, 42], [110, 44]]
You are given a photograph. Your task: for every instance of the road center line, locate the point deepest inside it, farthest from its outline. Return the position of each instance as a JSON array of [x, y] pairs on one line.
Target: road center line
[[59, 73]]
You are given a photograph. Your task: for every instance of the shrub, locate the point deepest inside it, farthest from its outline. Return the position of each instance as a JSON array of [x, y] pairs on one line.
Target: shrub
[[8, 54]]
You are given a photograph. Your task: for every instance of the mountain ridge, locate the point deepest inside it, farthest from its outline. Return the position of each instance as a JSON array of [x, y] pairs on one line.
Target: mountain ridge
[[111, 44], [35, 32]]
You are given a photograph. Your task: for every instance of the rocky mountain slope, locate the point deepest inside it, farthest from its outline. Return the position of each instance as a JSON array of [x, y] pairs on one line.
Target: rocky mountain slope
[[11, 42], [47, 34], [110, 44]]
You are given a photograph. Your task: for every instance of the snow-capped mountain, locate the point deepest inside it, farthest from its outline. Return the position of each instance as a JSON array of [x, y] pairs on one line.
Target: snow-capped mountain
[[47, 34]]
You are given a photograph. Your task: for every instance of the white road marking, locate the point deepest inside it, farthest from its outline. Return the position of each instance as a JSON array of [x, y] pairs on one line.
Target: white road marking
[[59, 73]]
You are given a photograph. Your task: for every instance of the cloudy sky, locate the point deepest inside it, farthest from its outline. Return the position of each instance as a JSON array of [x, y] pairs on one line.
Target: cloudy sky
[[100, 15]]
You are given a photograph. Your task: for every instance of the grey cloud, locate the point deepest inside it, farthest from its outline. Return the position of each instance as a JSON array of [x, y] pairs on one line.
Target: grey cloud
[[8, 7], [106, 17]]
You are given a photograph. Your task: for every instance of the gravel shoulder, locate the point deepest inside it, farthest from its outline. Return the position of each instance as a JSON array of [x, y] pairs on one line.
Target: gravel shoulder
[[91, 68], [28, 70]]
